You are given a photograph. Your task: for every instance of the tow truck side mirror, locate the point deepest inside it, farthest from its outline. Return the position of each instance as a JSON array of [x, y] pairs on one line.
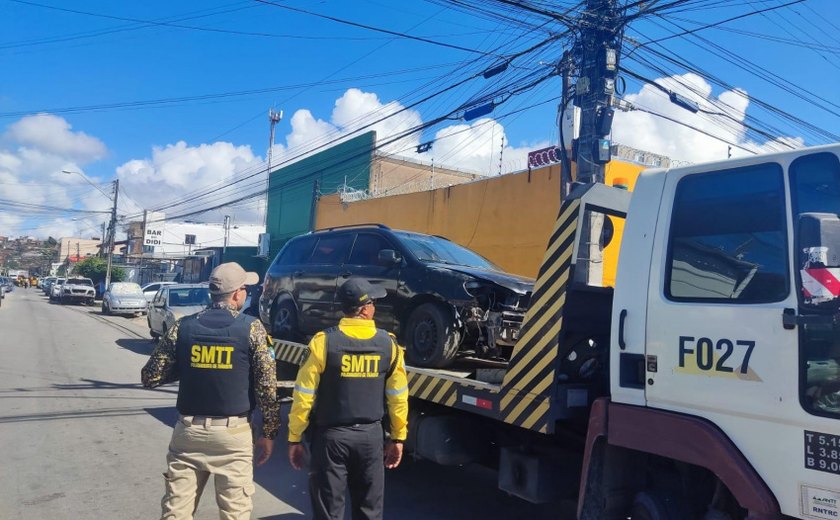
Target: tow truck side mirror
[[819, 240], [818, 249], [389, 257]]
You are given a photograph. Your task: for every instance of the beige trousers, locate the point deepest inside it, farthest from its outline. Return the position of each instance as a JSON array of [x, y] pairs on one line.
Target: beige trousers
[[198, 451]]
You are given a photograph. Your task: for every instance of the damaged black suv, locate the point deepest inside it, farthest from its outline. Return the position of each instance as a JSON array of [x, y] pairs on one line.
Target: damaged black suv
[[444, 301]]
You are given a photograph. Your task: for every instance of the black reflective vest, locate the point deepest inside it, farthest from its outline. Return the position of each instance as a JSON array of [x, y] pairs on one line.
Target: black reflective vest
[[214, 364], [352, 386]]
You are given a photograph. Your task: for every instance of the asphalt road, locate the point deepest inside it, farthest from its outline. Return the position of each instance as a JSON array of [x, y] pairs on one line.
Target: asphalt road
[[81, 438]]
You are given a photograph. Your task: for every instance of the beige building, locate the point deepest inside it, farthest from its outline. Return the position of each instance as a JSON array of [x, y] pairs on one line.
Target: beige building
[[396, 175], [75, 249]]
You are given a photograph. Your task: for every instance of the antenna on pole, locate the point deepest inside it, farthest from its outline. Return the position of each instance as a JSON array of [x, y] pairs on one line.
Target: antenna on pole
[[274, 117]]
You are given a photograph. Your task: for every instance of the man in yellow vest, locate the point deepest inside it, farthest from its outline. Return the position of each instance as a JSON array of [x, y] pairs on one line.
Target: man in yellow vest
[[353, 372]]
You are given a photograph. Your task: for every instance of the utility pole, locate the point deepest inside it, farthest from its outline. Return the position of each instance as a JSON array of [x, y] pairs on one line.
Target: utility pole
[[316, 194], [598, 53], [227, 235], [274, 117], [112, 233]]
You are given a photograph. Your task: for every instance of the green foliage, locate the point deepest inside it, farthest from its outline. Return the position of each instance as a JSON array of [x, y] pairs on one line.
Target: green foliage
[[96, 268]]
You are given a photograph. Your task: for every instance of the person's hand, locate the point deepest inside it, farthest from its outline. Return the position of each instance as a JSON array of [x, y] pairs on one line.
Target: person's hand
[[393, 454], [296, 454], [263, 447]]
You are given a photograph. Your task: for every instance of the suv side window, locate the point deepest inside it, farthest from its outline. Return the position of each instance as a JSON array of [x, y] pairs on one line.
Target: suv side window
[[366, 249], [729, 237], [331, 249], [297, 251]]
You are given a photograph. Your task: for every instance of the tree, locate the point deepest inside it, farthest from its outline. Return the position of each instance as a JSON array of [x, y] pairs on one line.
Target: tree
[[96, 268]]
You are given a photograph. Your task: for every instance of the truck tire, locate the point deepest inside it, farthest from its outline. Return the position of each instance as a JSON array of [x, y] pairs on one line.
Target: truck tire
[[284, 325], [431, 339], [658, 505]]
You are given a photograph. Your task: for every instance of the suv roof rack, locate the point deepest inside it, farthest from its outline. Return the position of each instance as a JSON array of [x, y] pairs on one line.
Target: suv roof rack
[[380, 226]]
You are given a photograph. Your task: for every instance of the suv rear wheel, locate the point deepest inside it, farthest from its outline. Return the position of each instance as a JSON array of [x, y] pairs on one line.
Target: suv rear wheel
[[284, 325], [431, 339]]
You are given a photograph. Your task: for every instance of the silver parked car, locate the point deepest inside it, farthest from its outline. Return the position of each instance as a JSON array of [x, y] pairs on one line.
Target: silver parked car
[[124, 298], [150, 290], [173, 302]]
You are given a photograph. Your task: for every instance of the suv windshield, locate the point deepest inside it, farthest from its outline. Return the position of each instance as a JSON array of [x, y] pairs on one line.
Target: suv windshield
[[429, 248], [79, 281]]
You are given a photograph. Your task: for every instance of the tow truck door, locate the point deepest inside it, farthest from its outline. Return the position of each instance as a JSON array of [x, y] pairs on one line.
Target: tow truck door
[[722, 333]]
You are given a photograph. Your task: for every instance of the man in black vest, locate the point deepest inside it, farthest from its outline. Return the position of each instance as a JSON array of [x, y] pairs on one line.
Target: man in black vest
[[352, 373], [225, 368]]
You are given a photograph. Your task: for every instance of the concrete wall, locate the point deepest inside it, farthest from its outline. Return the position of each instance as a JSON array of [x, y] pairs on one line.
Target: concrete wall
[[508, 219], [394, 176]]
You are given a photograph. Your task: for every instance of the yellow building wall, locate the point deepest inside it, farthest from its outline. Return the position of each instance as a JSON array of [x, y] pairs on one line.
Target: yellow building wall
[[507, 219]]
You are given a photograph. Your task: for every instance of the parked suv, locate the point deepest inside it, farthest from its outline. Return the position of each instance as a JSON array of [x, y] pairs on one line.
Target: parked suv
[[77, 290], [443, 300]]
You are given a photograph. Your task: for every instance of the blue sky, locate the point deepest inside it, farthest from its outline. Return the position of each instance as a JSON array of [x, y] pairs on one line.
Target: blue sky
[[55, 60]]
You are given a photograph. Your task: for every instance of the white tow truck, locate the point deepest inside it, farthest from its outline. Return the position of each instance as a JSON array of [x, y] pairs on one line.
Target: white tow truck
[[705, 384]]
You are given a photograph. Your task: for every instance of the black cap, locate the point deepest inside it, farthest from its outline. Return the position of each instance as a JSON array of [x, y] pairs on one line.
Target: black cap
[[356, 292]]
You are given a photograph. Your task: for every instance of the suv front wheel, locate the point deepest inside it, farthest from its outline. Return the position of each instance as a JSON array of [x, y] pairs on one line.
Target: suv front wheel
[[284, 325], [431, 339]]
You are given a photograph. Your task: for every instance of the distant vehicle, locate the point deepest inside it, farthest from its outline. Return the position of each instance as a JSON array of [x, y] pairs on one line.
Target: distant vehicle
[[77, 290], [46, 283], [174, 301], [124, 298], [55, 289], [443, 300], [8, 283], [150, 290]]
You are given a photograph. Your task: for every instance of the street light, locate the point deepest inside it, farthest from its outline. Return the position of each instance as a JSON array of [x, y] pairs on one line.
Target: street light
[[112, 228]]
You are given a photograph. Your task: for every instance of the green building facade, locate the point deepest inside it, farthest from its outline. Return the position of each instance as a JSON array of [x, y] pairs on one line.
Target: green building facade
[[292, 188]]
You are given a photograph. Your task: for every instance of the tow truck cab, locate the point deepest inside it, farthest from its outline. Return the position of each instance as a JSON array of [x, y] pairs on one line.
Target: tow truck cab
[[726, 337]]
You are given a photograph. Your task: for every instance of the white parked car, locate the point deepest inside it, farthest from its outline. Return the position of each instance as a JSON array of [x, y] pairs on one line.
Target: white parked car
[[173, 302], [150, 290], [55, 290], [124, 298], [78, 289]]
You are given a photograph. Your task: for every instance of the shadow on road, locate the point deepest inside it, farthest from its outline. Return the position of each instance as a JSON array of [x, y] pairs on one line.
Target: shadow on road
[[95, 384], [138, 346], [67, 415]]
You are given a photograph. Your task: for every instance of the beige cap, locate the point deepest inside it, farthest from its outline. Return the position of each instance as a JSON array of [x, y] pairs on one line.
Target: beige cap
[[229, 277]]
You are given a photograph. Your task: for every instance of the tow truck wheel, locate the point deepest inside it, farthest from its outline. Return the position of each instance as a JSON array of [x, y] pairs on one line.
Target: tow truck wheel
[[657, 505], [431, 339]]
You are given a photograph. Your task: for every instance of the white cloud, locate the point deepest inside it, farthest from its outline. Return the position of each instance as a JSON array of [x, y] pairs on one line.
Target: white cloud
[[177, 170], [33, 151], [655, 134], [53, 135], [478, 147], [474, 146]]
